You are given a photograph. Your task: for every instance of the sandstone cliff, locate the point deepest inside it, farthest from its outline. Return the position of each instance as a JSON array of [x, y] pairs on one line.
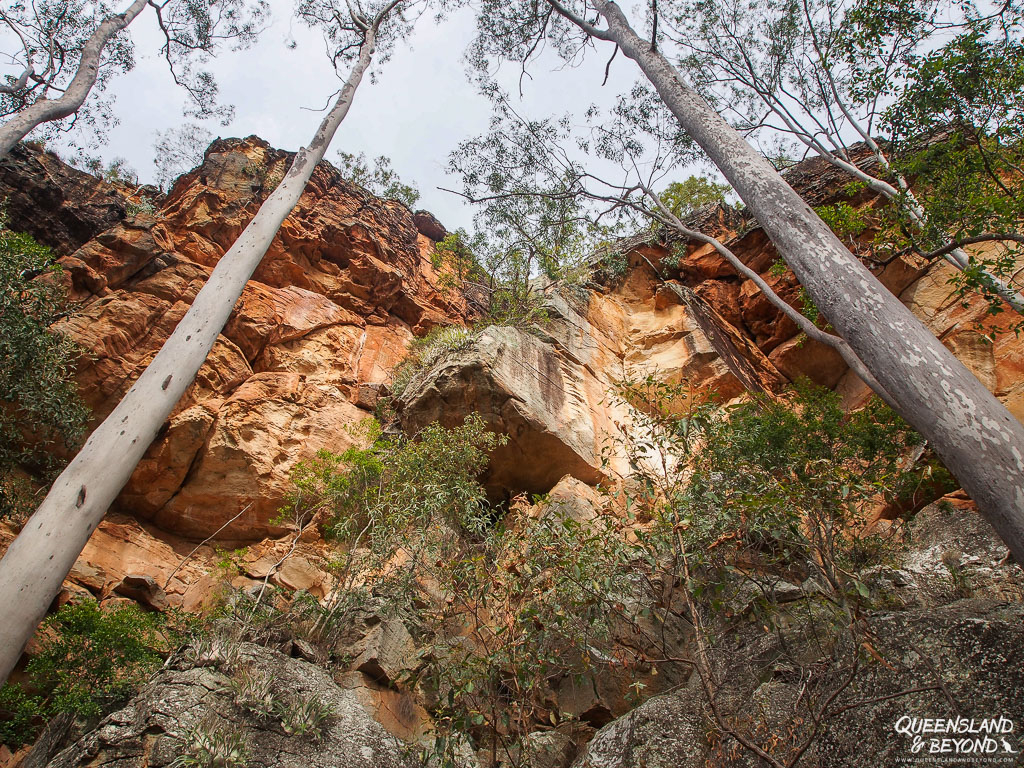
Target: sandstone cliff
[[346, 286]]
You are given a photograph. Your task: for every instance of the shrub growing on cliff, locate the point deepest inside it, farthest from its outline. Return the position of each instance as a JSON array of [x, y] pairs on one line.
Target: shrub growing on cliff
[[455, 260], [387, 505], [754, 501], [784, 485], [530, 595], [211, 744], [41, 413], [89, 661], [427, 350], [371, 493], [792, 483], [538, 599]]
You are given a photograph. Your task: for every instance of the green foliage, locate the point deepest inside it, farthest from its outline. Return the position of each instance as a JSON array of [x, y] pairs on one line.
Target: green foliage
[[958, 130], [117, 171], [940, 85], [785, 485], [398, 498], [778, 268], [372, 492], [228, 563], [97, 658], [539, 596], [771, 466], [842, 218], [973, 84], [505, 278], [304, 717], [735, 502], [20, 715], [455, 260], [57, 30], [853, 188], [720, 499], [518, 309], [211, 745], [378, 178], [533, 229], [958, 579], [253, 689], [36, 382], [88, 662], [685, 197], [616, 263], [532, 593], [209, 647], [807, 306], [265, 176], [427, 350], [145, 206], [52, 34]]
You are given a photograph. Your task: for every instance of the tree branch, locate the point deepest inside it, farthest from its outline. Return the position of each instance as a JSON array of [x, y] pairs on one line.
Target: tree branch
[[608, 66], [804, 324], [984, 237], [579, 21], [46, 110]]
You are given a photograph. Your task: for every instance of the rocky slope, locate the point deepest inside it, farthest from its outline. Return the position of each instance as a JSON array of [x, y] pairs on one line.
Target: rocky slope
[[346, 286], [945, 652], [158, 724], [942, 650]]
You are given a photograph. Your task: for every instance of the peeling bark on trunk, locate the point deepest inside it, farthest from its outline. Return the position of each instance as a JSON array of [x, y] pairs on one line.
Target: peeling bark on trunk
[[37, 562], [47, 110], [977, 438]]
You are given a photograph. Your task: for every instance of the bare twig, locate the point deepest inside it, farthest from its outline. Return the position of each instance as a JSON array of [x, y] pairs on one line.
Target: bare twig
[[204, 542]]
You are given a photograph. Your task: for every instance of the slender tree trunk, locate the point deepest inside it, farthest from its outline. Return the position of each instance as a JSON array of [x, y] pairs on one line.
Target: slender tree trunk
[[980, 442], [37, 562], [47, 110]]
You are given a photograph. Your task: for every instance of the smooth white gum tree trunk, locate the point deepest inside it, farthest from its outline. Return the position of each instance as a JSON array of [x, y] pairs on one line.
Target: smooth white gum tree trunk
[[21, 123]]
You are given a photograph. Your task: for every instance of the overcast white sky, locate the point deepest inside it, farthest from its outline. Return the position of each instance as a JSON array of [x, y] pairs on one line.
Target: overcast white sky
[[419, 109]]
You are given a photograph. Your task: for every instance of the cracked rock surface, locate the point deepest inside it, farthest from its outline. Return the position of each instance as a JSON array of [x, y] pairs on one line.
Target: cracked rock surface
[[155, 727]]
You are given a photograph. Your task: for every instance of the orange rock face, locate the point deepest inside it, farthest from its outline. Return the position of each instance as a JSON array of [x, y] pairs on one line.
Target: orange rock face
[[348, 283], [345, 286], [984, 343], [706, 324]]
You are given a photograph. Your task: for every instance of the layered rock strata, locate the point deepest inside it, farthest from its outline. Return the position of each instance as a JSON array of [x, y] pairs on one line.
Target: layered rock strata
[[330, 310]]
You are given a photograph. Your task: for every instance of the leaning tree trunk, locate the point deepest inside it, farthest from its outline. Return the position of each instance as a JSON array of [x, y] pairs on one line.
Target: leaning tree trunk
[[40, 558], [979, 441], [47, 110]]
